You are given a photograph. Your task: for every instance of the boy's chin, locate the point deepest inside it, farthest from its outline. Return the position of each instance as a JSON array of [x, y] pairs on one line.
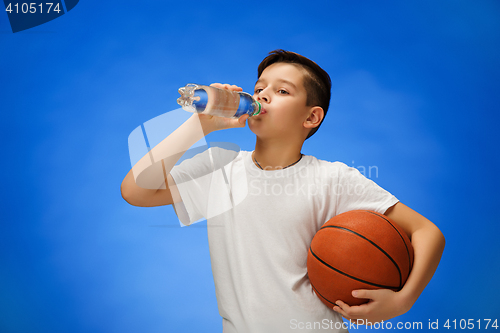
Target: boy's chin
[[262, 134], [263, 130], [258, 132]]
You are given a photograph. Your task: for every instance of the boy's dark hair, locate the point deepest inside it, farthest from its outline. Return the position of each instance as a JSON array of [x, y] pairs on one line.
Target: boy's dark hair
[[316, 82]]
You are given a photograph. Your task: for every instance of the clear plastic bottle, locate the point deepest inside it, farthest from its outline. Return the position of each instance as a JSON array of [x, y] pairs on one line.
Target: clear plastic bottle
[[217, 102]]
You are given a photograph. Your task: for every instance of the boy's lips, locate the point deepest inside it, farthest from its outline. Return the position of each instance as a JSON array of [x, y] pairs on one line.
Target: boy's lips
[[263, 111]]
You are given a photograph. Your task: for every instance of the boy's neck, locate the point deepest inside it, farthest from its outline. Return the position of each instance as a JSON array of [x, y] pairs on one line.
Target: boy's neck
[[276, 155]]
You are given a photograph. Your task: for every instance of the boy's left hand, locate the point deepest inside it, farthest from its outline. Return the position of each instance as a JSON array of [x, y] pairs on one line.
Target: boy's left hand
[[384, 304]]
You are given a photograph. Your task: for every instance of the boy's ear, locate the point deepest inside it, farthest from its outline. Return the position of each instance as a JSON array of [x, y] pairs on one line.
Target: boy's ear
[[316, 115]]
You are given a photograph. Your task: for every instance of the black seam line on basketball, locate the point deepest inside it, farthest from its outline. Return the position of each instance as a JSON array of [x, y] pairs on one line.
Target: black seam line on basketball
[[402, 238], [350, 276], [374, 244], [317, 292]]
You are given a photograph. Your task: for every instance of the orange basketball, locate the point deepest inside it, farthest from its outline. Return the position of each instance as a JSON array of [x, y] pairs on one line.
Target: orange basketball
[[359, 249]]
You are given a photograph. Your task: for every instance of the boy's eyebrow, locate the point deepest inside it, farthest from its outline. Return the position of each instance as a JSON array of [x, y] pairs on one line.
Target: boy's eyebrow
[[279, 80]]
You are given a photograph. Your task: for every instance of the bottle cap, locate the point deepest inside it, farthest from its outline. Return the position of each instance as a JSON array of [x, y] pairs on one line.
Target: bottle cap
[[260, 108]]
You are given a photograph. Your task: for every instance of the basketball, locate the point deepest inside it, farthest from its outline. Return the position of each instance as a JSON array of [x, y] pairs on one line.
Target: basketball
[[359, 249]]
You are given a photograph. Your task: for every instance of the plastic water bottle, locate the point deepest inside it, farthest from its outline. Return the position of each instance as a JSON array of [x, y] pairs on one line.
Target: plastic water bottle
[[217, 102]]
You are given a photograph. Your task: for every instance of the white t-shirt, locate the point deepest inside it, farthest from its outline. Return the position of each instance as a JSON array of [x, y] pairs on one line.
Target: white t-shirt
[[260, 224]]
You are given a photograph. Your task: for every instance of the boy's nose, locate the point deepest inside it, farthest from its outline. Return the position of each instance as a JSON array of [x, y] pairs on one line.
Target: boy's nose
[[262, 97]]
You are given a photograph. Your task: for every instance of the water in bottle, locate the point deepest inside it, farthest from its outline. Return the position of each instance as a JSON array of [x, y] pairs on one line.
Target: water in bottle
[[217, 102]]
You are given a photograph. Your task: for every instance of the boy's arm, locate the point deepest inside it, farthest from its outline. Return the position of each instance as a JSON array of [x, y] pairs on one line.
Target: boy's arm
[[428, 245], [149, 182]]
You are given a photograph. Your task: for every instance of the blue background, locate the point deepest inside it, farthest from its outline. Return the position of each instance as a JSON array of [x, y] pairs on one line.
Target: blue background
[[415, 93]]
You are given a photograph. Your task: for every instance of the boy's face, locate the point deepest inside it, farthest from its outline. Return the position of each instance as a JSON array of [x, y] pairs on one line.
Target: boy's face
[[281, 92]]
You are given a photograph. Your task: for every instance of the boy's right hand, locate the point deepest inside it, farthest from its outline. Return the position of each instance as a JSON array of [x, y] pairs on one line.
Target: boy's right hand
[[211, 123]]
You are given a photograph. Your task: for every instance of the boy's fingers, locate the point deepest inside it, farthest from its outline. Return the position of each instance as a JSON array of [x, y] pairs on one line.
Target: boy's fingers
[[351, 311], [341, 306], [337, 308], [227, 86], [232, 87], [362, 293], [240, 122], [243, 119]]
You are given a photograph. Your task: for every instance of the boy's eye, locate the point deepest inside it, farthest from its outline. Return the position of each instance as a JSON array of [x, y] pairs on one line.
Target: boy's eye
[[283, 92], [258, 90]]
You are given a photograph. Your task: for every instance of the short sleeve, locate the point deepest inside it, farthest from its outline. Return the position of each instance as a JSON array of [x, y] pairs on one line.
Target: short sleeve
[[355, 191], [202, 184], [192, 178]]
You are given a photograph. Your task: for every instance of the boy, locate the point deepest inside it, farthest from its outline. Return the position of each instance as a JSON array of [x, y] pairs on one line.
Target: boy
[[264, 207]]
